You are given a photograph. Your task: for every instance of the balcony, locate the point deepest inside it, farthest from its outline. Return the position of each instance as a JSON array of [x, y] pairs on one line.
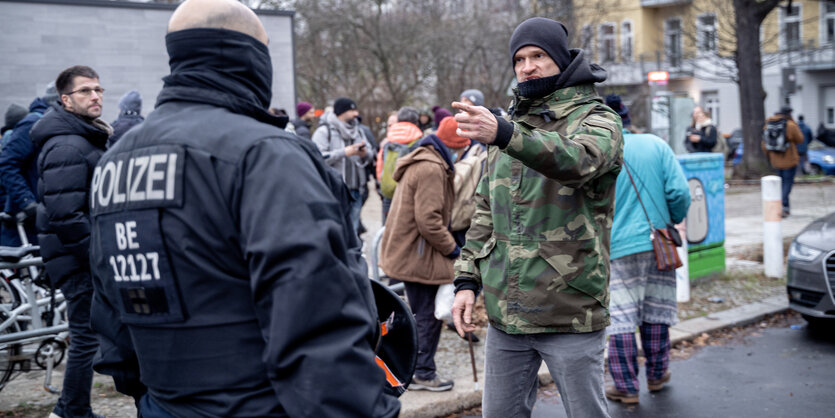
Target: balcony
[[635, 71], [808, 57], [663, 3]]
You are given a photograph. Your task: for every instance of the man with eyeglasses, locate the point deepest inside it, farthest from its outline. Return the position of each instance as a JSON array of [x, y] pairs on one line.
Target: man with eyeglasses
[[72, 138]]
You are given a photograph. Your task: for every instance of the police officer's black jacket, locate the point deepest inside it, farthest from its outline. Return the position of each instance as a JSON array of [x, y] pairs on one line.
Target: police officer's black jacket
[[221, 245], [70, 147]]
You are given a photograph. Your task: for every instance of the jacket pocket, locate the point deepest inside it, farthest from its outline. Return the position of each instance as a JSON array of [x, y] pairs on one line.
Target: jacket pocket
[[578, 265], [483, 255]]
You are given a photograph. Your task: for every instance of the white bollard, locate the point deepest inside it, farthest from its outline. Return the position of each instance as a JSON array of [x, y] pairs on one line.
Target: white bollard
[[683, 272], [772, 232]]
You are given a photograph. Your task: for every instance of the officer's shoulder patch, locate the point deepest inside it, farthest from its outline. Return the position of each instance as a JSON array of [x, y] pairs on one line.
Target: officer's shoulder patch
[[143, 178]]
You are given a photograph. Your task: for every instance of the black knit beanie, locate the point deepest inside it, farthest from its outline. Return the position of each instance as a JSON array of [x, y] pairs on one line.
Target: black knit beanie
[[547, 34], [342, 105]]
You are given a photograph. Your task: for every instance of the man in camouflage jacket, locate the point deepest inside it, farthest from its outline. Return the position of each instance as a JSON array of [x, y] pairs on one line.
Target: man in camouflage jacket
[[539, 241]]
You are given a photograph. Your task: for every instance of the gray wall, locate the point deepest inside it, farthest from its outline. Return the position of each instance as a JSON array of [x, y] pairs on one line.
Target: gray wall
[[123, 42]]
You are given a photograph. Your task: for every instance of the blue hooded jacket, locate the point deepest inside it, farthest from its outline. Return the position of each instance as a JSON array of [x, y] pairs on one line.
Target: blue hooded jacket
[[18, 169]]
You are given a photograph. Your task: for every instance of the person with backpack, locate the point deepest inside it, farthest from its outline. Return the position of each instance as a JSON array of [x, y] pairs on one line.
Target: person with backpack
[[781, 135], [345, 148], [401, 138], [701, 135], [417, 247]]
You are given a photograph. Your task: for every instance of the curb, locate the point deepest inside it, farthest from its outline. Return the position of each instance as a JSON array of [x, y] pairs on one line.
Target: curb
[[464, 395]]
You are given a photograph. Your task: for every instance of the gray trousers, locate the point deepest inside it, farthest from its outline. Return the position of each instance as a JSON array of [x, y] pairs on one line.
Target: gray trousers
[[575, 361]]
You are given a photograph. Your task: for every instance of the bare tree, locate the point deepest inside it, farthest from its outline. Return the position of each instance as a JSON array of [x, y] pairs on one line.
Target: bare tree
[[748, 16]]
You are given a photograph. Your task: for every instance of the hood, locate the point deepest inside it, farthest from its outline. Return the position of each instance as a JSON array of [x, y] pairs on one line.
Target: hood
[[403, 133], [819, 234], [222, 68], [60, 122], [429, 149], [39, 105], [580, 71]]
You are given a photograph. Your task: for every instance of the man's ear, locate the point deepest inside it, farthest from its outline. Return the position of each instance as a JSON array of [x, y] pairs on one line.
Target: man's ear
[[65, 100]]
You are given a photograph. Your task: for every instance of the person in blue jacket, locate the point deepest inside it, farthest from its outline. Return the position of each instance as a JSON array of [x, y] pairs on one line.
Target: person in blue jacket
[[641, 295], [228, 278], [803, 149], [19, 171]]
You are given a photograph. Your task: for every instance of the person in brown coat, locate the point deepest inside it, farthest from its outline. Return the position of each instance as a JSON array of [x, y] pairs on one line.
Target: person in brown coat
[[785, 163], [417, 246]]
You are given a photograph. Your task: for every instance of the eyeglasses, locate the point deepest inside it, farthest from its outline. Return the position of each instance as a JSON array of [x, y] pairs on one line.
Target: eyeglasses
[[87, 91]]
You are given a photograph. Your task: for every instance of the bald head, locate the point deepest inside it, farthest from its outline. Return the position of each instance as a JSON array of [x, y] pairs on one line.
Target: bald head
[[217, 14]]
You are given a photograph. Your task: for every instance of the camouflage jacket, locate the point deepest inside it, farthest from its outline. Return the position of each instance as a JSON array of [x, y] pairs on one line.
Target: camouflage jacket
[[539, 240]]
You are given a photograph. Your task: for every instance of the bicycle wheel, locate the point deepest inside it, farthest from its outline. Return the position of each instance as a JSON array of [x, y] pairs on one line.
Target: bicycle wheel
[[7, 353]]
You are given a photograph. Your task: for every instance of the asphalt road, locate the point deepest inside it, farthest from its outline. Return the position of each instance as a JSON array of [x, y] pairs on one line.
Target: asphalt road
[[778, 372]]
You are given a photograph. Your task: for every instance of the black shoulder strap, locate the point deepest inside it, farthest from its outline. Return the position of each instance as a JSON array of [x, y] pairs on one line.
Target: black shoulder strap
[[651, 226]]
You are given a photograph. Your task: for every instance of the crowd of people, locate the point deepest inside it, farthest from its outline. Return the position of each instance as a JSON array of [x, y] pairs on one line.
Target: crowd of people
[[211, 256]]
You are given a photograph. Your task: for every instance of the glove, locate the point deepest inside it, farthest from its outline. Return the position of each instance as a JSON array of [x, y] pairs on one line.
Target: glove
[[27, 212], [455, 253]]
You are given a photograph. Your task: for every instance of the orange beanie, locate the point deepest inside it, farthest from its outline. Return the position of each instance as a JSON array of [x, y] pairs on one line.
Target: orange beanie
[[446, 131]]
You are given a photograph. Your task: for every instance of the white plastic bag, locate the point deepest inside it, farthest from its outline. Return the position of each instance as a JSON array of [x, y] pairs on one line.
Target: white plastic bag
[[443, 302]]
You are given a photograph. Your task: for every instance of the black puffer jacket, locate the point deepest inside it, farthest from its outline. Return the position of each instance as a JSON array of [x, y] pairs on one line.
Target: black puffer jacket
[[70, 148]]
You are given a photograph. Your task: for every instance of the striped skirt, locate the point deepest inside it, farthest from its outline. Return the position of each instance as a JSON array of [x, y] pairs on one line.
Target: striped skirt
[[640, 293]]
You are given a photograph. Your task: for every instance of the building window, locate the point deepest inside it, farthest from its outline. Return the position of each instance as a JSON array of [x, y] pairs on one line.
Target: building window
[[626, 41], [606, 37], [711, 105], [706, 40], [790, 26], [586, 37], [672, 41], [827, 22]]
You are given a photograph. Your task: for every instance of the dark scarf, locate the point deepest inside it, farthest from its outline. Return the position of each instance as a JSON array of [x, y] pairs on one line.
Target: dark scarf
[[578, 72], [223, 68]]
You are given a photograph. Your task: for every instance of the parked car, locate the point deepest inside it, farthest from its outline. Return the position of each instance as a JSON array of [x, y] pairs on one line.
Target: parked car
[[821, 159], [811, 271]]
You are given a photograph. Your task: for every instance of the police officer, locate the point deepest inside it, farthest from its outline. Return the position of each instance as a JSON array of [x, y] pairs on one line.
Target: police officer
[[221, 247]]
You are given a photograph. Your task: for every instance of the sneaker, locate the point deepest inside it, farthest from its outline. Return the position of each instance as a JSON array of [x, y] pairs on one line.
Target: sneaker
[[613, 394], [656, 385], [434, 385]]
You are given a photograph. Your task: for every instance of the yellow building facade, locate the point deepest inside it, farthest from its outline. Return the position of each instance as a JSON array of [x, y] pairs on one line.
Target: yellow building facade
[[695, 42]]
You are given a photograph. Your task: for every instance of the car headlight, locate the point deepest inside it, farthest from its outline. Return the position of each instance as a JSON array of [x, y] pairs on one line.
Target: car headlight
[[829, 159], [802, 252]]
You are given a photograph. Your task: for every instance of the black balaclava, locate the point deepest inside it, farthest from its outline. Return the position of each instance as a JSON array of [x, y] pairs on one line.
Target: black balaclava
[[547, 34], [222, 67]]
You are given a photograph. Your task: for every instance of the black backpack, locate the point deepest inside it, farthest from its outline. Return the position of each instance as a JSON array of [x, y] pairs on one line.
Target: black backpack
[[774, 136]]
